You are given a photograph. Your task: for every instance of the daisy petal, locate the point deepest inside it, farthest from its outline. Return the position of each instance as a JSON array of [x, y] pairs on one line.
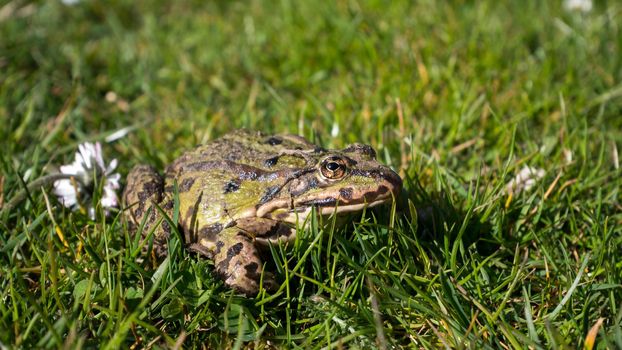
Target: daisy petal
[[111, 166], [84, 154], [98, 155], [66, 193], [70, 169], [109, 198]]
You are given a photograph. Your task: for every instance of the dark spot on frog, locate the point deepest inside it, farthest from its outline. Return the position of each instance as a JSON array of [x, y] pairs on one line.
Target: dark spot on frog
[[186, 184], [142, 196], [149, 189], [370, 196], [169, 188], [313, 183], [166, 228], [138, 212], [219, 246], [233, 251], [231, 186], [270, 162], [279, 230], [310, 184], [210, 231], [252, 271], [345, 193], [285, 231], [366, 150], [168, 204], [244, 175], [272, 230], [282, 216], [324, 202], [270, 193], [273, 141]]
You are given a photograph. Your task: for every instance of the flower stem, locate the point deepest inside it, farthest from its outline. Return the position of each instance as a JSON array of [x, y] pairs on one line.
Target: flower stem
[[42, 181]]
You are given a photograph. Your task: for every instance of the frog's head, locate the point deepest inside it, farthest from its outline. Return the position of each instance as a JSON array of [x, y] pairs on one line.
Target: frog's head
[[335, 181]]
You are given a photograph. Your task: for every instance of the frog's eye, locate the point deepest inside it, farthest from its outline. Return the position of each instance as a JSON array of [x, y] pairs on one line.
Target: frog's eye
[[333, 168]]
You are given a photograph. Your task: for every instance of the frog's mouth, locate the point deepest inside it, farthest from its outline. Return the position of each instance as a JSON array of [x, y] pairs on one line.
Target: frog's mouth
[[336, 201], [302, 213], [326, 207]]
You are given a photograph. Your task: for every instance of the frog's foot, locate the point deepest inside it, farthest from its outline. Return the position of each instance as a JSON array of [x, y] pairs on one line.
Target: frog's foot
[[238, 263], [143, 191]]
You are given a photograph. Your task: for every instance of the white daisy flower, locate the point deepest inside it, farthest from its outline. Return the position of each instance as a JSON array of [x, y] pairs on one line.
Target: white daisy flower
[[578, 5], [526, 178], [86, 172]]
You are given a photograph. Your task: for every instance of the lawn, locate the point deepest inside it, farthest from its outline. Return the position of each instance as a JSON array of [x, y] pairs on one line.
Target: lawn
[[459, 97]]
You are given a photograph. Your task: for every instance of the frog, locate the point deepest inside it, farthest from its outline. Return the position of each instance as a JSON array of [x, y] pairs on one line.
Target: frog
[[245, 190]]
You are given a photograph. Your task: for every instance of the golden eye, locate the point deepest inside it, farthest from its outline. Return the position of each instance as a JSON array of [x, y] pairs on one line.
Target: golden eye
[[333, 168]]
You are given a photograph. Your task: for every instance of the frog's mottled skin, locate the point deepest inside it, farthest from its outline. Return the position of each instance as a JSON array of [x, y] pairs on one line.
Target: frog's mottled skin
[[246, 188]]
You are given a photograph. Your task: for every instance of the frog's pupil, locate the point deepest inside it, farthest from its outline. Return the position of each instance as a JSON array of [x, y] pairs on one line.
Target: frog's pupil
[[332, 166]]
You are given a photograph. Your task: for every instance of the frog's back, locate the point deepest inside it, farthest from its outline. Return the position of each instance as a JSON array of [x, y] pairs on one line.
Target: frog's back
[[251, 148]]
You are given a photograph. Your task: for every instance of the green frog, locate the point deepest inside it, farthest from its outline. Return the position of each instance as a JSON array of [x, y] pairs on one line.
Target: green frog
[[245, 190]]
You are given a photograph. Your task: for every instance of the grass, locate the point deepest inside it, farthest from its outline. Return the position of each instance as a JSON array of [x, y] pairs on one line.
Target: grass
[[456, 96]]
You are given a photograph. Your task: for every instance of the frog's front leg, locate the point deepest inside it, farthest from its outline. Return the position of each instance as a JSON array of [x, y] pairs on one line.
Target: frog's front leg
[[238, 262]]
